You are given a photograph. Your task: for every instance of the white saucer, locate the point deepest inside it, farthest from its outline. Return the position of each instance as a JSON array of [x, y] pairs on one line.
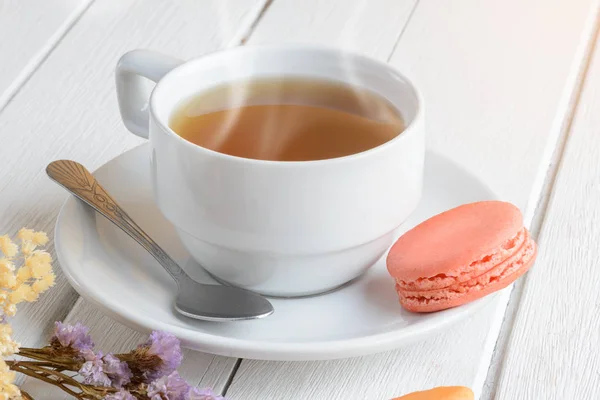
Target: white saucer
[[108, 268]]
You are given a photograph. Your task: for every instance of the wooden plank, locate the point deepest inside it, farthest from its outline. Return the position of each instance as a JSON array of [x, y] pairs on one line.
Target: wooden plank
[[29, 30], [554, 351], [496, 101], [68, 109]]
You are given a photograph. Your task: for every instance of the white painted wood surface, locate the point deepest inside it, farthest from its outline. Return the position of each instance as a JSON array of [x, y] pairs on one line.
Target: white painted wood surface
[[29, 30], [497, 78], [496, 101], [554, 350]]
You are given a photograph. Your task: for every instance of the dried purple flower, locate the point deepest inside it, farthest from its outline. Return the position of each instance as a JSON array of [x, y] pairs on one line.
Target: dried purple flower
[[75, 337], [120, 395], [170, 387], [203, 394], [92, 369], [159, 356], [117, 370], [167, 348], [104, 370]]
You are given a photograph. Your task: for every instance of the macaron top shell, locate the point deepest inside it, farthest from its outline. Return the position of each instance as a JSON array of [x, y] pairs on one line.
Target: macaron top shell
[[455, 239]]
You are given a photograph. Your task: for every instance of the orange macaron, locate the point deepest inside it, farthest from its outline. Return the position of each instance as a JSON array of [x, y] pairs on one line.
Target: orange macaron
[[441, 393], [460, 255]]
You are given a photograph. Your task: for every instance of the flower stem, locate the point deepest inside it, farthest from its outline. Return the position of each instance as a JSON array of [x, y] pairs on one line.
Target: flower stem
[[26, 395], [40, 364], [58, 379], [17, 368], [45, 355]]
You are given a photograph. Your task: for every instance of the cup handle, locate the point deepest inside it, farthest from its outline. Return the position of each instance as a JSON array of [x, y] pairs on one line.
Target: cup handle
[[132, 94]]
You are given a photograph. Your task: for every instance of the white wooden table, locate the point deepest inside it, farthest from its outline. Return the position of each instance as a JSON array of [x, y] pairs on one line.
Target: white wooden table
[[512, 92]]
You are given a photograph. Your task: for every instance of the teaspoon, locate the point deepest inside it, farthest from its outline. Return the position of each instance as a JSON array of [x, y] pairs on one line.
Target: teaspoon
[[194, 300]]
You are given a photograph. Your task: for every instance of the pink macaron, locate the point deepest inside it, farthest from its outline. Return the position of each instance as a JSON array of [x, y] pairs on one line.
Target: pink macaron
[[460, 255]]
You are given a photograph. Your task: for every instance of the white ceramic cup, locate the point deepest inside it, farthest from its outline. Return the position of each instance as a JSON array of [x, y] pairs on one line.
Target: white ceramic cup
[[276, 228]]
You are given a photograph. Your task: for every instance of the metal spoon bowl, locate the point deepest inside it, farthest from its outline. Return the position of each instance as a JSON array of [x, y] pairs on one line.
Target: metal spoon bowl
[[194, 299]]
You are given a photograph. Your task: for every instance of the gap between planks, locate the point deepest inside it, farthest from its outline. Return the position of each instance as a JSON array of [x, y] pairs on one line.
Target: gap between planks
[[231, 376], [246, 33], [540, 199], [38, 59], [410, 15]]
